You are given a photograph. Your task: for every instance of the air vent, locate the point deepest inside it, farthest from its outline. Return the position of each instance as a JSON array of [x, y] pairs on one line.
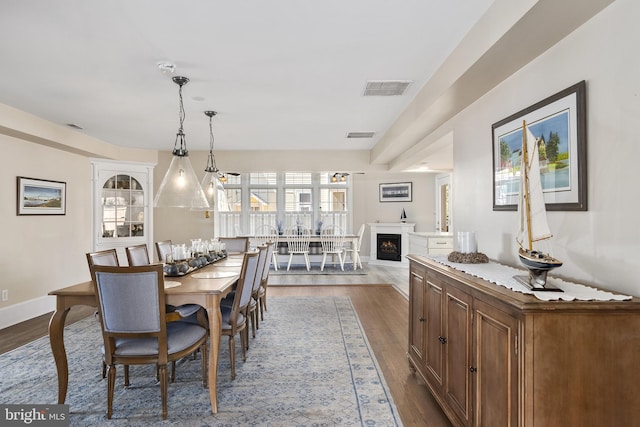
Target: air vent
[[386, 87], [360, 134], [71, 125]]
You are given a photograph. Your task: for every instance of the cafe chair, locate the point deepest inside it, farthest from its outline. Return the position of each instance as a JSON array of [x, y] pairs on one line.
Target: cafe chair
[[265, 234], [298, 240], [238, 245], [131, 307], [354, 251], [332, 241], [234, 317], [163, 250]]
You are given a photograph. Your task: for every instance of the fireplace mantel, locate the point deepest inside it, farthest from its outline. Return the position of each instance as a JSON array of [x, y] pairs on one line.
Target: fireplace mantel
[[401, 228]]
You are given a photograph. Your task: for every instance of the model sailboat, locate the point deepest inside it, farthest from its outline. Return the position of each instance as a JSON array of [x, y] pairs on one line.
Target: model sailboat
[[533, 218]]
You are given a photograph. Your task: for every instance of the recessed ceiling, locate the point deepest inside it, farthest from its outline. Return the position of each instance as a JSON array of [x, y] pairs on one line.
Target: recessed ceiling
[[283, 74]]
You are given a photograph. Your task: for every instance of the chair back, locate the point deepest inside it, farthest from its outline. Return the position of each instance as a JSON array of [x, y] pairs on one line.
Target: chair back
[[298, 239], [245, 285], [271, 246], [266, 233], [235, 244], [107, 257], [137, 255], [163, 249], [332, 239], [262, 262]]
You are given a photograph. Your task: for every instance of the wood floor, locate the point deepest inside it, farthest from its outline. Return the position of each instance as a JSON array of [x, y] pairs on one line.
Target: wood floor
[[383, 312]]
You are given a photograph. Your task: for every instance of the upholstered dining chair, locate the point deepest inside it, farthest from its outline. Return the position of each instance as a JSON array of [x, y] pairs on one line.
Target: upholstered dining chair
[[163, 250], [298, 240], [131, 307], [332, 241], [235, 244], [138, 255], [234, 317], [252, 308], [261, 295], [354, 251]]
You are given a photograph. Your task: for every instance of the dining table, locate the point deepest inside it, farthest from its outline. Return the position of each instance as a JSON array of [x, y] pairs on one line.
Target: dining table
[[205, 286]]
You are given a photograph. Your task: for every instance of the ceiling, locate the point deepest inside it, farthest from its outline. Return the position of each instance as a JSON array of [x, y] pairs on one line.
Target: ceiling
[[282, 74]]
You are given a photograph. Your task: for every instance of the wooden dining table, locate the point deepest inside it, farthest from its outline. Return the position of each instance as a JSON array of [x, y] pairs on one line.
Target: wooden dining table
[[205, 286]]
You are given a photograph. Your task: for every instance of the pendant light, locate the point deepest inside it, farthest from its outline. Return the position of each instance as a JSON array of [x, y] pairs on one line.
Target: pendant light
[[211, 181], [180, 187]]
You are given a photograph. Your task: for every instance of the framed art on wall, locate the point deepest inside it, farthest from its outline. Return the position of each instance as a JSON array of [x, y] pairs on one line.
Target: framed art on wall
[[41, 197], [396, 192], [559, 125]]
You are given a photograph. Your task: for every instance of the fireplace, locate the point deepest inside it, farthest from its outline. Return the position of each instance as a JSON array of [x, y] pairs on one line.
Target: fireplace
[[389, 247]]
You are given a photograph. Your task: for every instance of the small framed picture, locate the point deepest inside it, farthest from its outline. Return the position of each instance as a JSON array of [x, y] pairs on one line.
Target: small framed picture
[[396, 192], [41, 197]]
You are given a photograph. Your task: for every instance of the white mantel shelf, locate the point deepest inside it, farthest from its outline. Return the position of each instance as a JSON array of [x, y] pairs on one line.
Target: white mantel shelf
[[402, 228]]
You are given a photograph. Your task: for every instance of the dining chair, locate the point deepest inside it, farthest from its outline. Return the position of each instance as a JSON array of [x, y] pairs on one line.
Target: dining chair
[[332, 241], [235, 244], [192, 313], [252, 308], [131, 305], [164, 250], [234, 317], [354, 251], [298, 240], [261, 296]]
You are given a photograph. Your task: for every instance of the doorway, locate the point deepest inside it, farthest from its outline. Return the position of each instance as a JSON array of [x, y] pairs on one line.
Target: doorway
[[443, 203]]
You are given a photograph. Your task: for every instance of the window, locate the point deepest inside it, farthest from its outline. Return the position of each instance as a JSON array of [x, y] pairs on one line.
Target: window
[[284, 200]]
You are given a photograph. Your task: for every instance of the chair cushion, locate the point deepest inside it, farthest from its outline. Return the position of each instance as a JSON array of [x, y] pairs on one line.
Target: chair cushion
[[180, 335], [226, 317]]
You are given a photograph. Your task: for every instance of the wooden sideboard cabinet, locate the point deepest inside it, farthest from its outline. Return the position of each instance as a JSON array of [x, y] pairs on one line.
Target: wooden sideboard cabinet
[[494, 357]]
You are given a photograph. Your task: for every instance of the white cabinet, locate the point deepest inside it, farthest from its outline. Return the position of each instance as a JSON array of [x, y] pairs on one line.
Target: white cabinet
[[122, 206], [430, 243]]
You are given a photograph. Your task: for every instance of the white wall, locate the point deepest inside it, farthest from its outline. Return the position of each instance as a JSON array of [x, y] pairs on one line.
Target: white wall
[[600, 246]]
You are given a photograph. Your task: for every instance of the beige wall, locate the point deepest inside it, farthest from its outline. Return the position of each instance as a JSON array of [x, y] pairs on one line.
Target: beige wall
[[600, 246]]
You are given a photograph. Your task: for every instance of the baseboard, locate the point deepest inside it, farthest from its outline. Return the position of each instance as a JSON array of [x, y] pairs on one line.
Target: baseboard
[[26, 310]]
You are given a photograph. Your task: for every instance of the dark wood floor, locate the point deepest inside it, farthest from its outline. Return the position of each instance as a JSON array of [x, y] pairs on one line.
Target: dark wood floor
[[383, 312]]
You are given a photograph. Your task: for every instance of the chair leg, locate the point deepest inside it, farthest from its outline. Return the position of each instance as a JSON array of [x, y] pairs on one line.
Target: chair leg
[[205, 364], [104, 370], [324, 259], [289, 264], [111, 380], [341, 259], [126, 375], [275, 261], [173, 370], [306, 260], [232, 356], [162, 370], [245, 333]]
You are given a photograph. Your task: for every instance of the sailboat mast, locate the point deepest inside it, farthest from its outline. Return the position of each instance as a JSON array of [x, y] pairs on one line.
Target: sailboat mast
[[525, 171]]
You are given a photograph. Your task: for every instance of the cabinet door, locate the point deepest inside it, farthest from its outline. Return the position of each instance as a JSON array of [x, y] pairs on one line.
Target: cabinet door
[[416, 316], [458, 317], [434, 337], [495, 366]]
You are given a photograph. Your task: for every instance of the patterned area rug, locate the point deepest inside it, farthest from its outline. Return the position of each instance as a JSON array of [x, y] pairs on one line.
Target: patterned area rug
[[309, 365]]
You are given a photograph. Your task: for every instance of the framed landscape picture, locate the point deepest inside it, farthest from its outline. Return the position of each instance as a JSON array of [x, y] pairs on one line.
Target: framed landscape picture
[[559, 125], [41, 197], [396, 192]]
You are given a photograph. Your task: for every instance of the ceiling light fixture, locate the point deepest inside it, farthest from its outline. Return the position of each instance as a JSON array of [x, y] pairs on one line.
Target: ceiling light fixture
[[180, 187], [211, 181]]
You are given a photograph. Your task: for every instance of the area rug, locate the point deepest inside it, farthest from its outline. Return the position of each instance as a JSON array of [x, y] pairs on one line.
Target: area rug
[[309, 365]]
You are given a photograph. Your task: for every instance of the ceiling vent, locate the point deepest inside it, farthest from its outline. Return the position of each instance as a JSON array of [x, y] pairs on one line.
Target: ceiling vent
[[74, 126], [386, 87], [360, 134]]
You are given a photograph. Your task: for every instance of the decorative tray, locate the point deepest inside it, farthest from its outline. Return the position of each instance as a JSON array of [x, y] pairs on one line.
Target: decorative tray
[[182, 268]]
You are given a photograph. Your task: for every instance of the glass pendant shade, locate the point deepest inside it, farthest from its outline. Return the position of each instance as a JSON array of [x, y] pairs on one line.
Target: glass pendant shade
[[180, 187], [210, 187]]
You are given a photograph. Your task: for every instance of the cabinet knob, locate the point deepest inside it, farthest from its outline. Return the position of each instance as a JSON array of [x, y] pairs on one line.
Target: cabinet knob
[[473, 369], [422, 319], [442, 340]]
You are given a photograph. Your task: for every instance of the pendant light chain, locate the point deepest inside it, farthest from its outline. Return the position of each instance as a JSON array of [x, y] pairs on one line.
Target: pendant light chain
[[180, 148]]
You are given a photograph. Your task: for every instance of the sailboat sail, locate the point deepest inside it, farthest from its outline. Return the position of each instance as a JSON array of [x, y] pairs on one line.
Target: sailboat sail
[[531, 188]]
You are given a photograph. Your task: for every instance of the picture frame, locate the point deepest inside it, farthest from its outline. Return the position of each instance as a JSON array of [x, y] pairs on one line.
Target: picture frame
[[560, 122], [396, 192], [41, 197]]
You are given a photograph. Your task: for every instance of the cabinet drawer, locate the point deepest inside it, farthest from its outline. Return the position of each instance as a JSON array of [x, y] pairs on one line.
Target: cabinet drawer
[[440, 243]]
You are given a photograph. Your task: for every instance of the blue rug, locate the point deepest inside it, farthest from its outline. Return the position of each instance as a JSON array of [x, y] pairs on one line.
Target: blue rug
[[309, 365]]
